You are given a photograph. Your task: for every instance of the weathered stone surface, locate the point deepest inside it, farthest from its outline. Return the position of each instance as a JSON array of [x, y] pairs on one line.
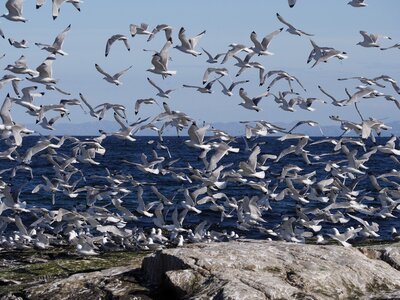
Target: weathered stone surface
[[273, 270]]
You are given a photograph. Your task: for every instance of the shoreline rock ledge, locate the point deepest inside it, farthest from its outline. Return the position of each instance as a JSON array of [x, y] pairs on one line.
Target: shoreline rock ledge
[[248, 269]]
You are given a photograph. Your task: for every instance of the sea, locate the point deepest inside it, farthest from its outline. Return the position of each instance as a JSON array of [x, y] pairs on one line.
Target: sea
[[118, 151]]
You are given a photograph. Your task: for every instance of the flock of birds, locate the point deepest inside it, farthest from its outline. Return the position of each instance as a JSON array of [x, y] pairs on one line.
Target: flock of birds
[[329, 196]]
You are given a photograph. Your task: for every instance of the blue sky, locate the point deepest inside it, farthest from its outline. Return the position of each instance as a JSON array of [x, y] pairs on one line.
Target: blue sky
[[333, 22]]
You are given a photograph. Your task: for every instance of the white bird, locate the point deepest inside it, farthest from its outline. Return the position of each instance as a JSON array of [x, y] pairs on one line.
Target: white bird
[[219, 71], [235, 48], [188, 45], [161, 27], [160, 61], [261, 48], [357, 3], [139, 102], [370, 39], [228, 91], [114, 78], [45, 72], [56, 5], [20, 67], [161, 92], [113, 39], [15, 9], [203, 89], [212, 59], [23, 44], [251, 103], [55, 48], [139, 29], [291, 29]]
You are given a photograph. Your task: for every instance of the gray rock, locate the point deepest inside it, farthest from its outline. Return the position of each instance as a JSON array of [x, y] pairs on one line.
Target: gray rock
[[272, 270], [113, 283]]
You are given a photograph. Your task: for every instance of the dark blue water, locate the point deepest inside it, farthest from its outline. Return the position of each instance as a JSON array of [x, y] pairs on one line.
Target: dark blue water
[[117, 151]]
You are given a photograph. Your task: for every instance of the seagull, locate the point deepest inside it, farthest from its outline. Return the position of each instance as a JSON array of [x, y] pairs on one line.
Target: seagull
[[20, 67], [188, 45], [114, 38], [57, 44], [23, 44], [112, 79], [92, 112], [370, 40], [15, 8], [391, 81], [139, 29], [357, 3], [251, 103], [203, 89], [10, 78], [161, 27], [219, 71], [160, 61], [212, 59], [235, 48], [139, 102], [262, 48], [56, 5], [291, 3], [228, 91], [283, 75], [45, 72], [291, 29], [161, 92], [364, 80]]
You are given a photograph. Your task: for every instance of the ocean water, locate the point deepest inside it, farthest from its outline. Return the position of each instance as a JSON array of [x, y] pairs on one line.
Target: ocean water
[[117, 151]]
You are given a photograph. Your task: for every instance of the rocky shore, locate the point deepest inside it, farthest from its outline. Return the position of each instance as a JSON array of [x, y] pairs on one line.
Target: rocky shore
[[244, 269]]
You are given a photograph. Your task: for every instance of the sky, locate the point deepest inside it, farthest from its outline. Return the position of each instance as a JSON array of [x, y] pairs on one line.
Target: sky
[[333, 23]]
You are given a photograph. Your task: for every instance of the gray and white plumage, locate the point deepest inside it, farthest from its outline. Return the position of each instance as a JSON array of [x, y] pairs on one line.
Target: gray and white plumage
[[261, 48], [161, 92], [188, 45], [113, 39], [55, 48], [291, 29], [112, 78], [15, 10]]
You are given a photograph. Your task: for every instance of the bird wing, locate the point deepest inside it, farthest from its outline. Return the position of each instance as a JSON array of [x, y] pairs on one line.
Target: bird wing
[[366, 36], [153, 84], [268, 38], [119, 74], [5, 114], [100, 70], [59, 40], [194, 40], [14, 7], [183, 39], [282, 20]]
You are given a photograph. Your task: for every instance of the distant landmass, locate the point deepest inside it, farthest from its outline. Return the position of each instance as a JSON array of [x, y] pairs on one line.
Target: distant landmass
[[233, 128]]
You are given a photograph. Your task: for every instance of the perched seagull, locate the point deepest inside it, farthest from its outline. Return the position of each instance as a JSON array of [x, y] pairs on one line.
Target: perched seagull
[[139, 102], [188, 45], [291, 29], [18, 44], [370, 40], [161, 92], [357, 3], [139, 29], [228, 91], [212, 59], [114, 38], [112, 79], [57, 44], [15, 8], [219, 71], [262, 48], [291, 3], [251, 103], [397, 45]]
